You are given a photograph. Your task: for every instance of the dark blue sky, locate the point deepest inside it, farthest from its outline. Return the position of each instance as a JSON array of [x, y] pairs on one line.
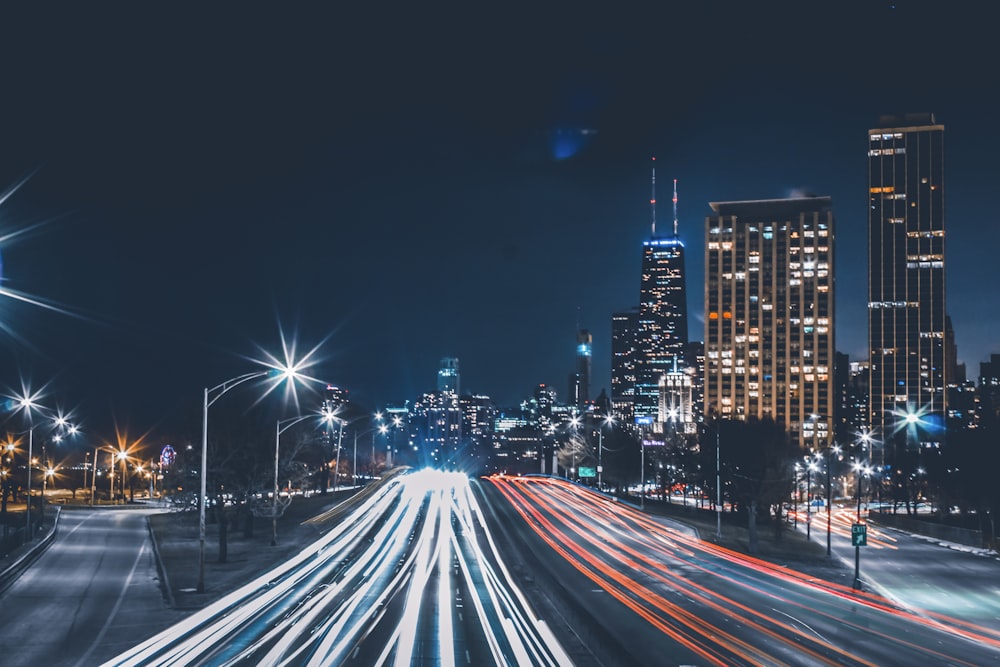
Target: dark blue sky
[[405, 182]]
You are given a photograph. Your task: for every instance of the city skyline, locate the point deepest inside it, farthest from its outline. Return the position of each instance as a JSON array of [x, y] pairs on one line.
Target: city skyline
[[406, 205]]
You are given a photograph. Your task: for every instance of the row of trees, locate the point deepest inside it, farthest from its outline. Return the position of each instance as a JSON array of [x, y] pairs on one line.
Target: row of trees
[[759, 473]]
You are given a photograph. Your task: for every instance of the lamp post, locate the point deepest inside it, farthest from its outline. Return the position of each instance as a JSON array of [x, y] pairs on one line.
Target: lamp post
[[600, 450], [835, 449], [718, 481], [810, 466], [340, 440], [219, 390], [93, 479], [642, 474], [27, 514], [857, 548], [278, 430]]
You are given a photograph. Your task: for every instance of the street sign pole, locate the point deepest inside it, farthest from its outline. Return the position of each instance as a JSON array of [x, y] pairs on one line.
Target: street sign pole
[[859, 538]]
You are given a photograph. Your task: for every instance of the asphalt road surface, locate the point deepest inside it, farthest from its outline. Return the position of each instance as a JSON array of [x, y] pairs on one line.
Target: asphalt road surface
[[92, 594], [690, 603], [410, 577]]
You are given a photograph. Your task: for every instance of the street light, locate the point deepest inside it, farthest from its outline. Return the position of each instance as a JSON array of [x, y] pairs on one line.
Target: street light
[[835, 449], [608, 419], [219, 390], [858, 469], [810, 466], [278, 430]]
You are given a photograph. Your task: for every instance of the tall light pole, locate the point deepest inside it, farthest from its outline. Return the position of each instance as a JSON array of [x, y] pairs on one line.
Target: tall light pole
[[642, 474], [600, 450], [835, 449], [858, 466], [810, 466], [27, 514], [93, 479], [219, 390], [340, 440], [718, 480], [280, 427]]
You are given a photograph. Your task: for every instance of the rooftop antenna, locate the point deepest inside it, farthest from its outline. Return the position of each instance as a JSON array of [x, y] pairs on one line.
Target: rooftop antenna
[[675, 208], [652, 201]]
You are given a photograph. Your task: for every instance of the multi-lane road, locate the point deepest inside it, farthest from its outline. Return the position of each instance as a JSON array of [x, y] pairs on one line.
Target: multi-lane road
[[410, 576], [711, 606], [432, 568]]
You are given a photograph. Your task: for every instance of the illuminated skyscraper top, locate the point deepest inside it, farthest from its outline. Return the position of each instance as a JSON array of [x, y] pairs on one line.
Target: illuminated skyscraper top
[[906, 293], [662, 323], [448, 377]]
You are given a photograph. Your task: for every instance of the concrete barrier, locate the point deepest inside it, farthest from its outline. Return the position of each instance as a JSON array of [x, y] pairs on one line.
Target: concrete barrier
[[22, 557], [966, 536]]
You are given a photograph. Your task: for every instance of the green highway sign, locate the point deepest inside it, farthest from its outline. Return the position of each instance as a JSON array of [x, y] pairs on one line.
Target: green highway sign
[[587, 472], [859, 535]]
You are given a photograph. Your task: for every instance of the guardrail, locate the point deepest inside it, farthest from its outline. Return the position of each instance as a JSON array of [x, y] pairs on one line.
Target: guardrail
[[966, 536], [23, 557]]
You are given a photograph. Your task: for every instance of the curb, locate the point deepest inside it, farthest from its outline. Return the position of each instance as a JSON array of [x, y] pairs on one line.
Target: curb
[[168, 591]]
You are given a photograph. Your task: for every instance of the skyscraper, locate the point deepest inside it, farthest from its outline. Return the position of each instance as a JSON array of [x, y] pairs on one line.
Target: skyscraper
[[584, 351], [447, 378], [661, 335], [769, 345], [623, 354], [906, 294]]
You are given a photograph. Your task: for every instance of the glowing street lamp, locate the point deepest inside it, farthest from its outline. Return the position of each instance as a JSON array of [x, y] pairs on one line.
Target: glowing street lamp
[[608, 419], [810, 467], [280, 427], [210, 397]]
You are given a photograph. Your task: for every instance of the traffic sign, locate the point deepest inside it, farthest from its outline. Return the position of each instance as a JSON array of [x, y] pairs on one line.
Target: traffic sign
[[859, 535], [587, 472]]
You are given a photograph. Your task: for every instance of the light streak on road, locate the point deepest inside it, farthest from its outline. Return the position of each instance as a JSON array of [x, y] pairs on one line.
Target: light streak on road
[[724, 608], [411, 575]]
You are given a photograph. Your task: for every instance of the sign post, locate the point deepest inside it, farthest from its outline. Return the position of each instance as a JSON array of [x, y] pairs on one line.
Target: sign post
[[859, 538]]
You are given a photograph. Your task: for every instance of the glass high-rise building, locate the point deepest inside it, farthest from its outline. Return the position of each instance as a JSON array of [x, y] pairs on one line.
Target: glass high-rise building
[[661, 334], [906, 281], [623, 354], [448, 377], [769, 344]]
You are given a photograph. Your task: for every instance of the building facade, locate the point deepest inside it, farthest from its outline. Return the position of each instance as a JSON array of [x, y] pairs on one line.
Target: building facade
[[769, 314], [661, 333], [623, 358], [906, 281]]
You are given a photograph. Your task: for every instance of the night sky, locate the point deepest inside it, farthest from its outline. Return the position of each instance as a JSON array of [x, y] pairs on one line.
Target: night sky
[[406, 182]]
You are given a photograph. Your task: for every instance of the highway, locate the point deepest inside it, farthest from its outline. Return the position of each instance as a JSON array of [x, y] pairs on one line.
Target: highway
[[691, 603], [410, 576]]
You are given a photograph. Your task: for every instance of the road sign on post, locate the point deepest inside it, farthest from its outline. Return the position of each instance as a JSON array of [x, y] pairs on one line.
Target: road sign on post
[[587, 472], [859, 535]]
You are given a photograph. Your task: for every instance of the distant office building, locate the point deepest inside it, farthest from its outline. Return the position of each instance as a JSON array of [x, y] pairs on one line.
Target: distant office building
[[335, 402], [584, 352], [769, 325], [695, 355], [661, 333], [334, 398], [676, 411], [478, 413], [851, 386], [988, 403], [447, 377], [623, 359], [906, 274], [435, 425]]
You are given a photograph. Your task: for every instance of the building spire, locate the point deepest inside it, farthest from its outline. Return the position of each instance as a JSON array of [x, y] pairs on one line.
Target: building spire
[[675, 208], [652, 201]]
